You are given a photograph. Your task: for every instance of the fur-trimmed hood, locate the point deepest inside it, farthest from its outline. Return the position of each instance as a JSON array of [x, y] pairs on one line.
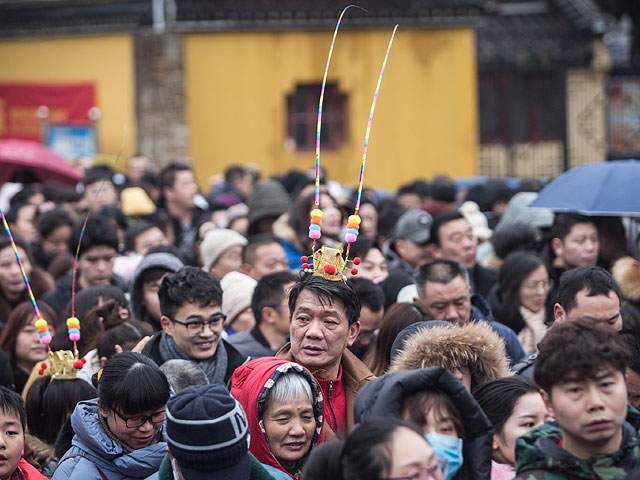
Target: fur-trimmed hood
[[475, 344], [626, 271]]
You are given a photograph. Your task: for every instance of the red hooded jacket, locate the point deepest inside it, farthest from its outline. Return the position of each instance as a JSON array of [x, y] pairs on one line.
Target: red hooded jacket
[[250, 385]]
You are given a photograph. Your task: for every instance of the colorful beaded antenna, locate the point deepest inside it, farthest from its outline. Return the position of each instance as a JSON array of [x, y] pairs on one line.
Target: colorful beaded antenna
[[328, 262]]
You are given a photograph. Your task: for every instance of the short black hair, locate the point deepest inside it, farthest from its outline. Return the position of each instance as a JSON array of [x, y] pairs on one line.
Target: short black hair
[[135, 229], [234, 172], [498, 398], [11, 402], [443, 189], [188, 285], [564, 222], [633, 342], [269, 292], [327, 291], [595, 280], [439, 271], [100, 231], [50, 220], [581, 348], [97, 174], [132, 383], [253, 243], [410, 189], [12, 215], [513, 236], [441, 220], [361, 247], [370, 294], [168, 174]]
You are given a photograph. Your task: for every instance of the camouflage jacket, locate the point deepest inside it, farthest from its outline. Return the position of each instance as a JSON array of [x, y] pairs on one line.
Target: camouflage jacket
[[539, 457]]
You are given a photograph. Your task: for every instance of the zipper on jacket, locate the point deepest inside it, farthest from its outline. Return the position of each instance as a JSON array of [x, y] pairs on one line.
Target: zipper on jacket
[[335, 421]]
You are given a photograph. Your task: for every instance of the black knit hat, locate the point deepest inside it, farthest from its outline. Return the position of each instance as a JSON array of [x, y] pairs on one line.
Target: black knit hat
[[208, 434]]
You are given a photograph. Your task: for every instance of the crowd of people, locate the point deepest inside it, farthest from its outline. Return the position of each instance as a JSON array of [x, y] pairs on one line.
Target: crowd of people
[[468, 336]]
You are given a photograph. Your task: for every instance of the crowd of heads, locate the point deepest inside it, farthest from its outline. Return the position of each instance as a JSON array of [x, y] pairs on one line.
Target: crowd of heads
[[466, 331]]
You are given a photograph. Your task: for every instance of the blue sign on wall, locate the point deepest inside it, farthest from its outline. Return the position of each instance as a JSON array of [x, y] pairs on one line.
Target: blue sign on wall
[[72, 141]]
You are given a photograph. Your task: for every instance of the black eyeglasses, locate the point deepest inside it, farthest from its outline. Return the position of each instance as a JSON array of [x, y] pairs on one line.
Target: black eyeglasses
[[194, 328], [139, 420]]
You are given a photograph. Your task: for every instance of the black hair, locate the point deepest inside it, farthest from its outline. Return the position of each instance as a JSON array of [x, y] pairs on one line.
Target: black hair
[[389, 210], [12, 215], [132, 383], [514, 270], [410, 189], [168, 174], [327, 291], [22, 196], [498, 398], [152, 274], [580, 348], [116, 215], [361, 247], [172, 249], [5, 242], [49, 221], [633, 342], [188, 285], [49, 403], [58, 193], [97, 174], [135, 229], [564, 222], [253, 243], [514, 236], [370, 294], [439, 221], [364, 455], [595, 280], [443, 189], [269, 292], [439, 271], [126, 334], [87, 299], [99, 232], [11, 402], [234, 172]]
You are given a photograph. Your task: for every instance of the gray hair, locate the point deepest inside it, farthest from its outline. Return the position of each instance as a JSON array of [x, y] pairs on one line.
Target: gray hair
[[290, 386], [439, 271], [183, 373]]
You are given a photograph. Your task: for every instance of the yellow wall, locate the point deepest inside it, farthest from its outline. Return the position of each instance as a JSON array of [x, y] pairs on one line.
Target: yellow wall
[[425, 121], [105, 60]]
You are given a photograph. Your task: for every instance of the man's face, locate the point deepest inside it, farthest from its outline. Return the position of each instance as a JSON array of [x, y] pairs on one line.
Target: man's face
[[450, 302], [148, 239], [370, 321], [269, 258], [136, 168], [372, 267], [56, 242], [197, 341], [579, 248], [184, 189], [229, 261], [320, 333], [25, 225], [101, 194], [590, 412], [632, 379], [96, 266], [412, 253], [602, 308], [458, 243], [11, 442]]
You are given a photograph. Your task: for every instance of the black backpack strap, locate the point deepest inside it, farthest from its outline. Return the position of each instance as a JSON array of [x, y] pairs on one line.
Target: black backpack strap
[[102, 475]]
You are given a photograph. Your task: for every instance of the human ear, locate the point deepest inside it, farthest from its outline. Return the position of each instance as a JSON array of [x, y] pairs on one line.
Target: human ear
[[166, 325], [546, 398], [354, 331], [559, 313]]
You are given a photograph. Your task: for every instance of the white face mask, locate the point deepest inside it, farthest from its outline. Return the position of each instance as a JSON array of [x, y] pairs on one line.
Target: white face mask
[[175, 469]]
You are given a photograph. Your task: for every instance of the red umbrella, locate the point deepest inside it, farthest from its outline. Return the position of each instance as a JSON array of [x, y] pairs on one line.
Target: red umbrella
[[20, 156]]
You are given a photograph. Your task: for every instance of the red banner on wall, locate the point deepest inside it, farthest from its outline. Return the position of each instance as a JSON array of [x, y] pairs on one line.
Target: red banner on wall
[[68, 104]]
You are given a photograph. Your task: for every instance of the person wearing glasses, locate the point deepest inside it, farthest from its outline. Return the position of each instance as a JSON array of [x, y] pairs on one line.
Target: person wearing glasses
[[192, 321], [120, 434], [385, 448]]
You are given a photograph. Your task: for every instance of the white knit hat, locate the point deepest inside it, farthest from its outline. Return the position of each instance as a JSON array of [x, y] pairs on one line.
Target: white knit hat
[[216, 242], [477, 220], [237, 290]]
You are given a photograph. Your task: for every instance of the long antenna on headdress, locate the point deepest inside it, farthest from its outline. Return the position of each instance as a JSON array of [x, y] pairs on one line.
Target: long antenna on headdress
[[353, 224], [316, 214], [73, 323]]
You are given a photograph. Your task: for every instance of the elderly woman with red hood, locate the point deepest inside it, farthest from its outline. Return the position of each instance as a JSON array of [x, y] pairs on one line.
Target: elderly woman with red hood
[[283, 403]]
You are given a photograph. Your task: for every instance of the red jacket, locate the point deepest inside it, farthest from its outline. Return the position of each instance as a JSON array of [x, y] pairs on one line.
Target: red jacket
[[250, 384], [29, 471]]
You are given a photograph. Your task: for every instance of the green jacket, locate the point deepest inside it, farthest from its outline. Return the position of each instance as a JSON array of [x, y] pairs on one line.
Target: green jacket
[[258, 472], [539, 457]]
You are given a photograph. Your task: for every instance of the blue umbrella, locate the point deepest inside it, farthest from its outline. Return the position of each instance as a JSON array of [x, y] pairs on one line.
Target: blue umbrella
[[605, 189]]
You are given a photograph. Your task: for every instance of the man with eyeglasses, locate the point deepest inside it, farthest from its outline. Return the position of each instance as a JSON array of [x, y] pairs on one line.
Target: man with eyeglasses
[[192, 321]]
